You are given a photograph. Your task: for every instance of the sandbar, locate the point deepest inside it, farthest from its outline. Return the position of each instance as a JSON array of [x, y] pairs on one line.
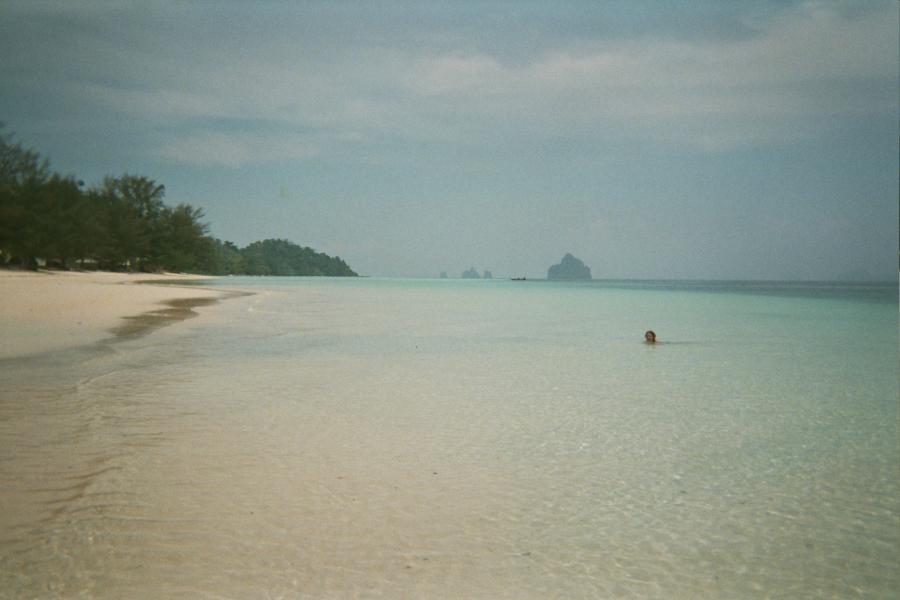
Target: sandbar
[[53, 310]]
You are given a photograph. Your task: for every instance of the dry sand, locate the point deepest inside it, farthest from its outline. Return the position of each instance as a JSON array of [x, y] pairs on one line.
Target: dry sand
[[53, 310]]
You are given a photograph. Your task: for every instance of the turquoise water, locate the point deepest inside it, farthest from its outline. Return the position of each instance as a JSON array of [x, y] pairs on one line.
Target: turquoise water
[[467, 439]]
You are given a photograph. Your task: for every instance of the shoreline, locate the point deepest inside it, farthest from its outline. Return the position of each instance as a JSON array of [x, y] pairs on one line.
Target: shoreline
[[46, 311]]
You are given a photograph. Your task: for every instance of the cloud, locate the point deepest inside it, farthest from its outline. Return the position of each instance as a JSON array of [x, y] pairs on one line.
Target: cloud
[[159, 103], [452, 74], [69, 7], [713, 95], [808, 63], [217, 149]]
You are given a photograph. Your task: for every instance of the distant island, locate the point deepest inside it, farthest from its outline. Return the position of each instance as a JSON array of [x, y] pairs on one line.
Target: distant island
[[122, 224], [569, 268]]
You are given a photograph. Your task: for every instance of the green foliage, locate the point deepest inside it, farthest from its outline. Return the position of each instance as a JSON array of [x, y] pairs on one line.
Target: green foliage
[[179, 238], [281, 257], [124, 224], [19, 165], [225, 259], [22, 176]]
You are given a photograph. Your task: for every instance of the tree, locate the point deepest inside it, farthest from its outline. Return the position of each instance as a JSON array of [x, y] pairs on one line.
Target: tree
[[136, 205], [22, 174], [57, 212], [281, 257], [226, 259], [19, 165], [91, 234], [182, 244], [124, 223]]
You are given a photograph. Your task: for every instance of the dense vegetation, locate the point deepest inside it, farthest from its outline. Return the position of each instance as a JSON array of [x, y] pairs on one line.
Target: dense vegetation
[[276, 257], [123, 224]]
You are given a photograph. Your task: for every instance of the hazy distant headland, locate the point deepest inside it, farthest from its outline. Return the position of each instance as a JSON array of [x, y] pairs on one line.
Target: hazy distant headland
[[124, 225], [471, 273], [569, 268]]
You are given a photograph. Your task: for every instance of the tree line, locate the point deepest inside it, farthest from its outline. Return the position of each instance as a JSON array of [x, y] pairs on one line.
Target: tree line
[[123, 224]]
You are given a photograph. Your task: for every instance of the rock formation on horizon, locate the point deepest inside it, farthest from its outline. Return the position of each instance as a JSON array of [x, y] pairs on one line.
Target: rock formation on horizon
[[471, 273], [569, 268]]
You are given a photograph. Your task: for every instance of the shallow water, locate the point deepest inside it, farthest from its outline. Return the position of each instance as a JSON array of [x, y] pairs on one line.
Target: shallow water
[[465, 439]]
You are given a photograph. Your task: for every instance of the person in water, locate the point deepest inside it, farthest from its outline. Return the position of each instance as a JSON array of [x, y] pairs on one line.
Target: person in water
[[650, 337]]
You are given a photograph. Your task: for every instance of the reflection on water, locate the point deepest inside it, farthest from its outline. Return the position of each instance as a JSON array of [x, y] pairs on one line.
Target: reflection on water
[[394, 439]]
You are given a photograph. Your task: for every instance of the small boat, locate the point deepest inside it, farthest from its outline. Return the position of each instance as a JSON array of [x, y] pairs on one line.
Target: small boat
[[518, 279]]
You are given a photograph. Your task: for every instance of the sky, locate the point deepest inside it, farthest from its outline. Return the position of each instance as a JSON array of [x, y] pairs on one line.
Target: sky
[[669, 140]]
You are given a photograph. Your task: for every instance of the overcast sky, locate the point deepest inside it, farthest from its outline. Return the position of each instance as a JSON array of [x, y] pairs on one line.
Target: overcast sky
[[723, 140]]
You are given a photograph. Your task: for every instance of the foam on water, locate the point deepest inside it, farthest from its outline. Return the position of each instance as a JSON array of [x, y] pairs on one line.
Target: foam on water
[[460, 439]]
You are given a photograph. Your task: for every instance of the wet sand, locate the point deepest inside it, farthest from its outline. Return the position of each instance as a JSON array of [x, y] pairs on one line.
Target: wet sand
[[54, 310]]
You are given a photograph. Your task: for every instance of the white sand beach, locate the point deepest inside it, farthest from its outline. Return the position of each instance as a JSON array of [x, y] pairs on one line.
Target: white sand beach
[[53, 310]]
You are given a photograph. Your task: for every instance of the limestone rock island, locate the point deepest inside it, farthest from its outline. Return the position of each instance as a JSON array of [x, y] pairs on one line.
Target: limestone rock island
[[569, 268]]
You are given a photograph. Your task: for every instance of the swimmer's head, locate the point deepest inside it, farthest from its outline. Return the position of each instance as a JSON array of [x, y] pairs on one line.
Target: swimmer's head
[[650, 337]]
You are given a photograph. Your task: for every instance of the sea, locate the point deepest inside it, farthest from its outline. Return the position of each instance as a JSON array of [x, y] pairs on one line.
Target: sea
[[384, 438]]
